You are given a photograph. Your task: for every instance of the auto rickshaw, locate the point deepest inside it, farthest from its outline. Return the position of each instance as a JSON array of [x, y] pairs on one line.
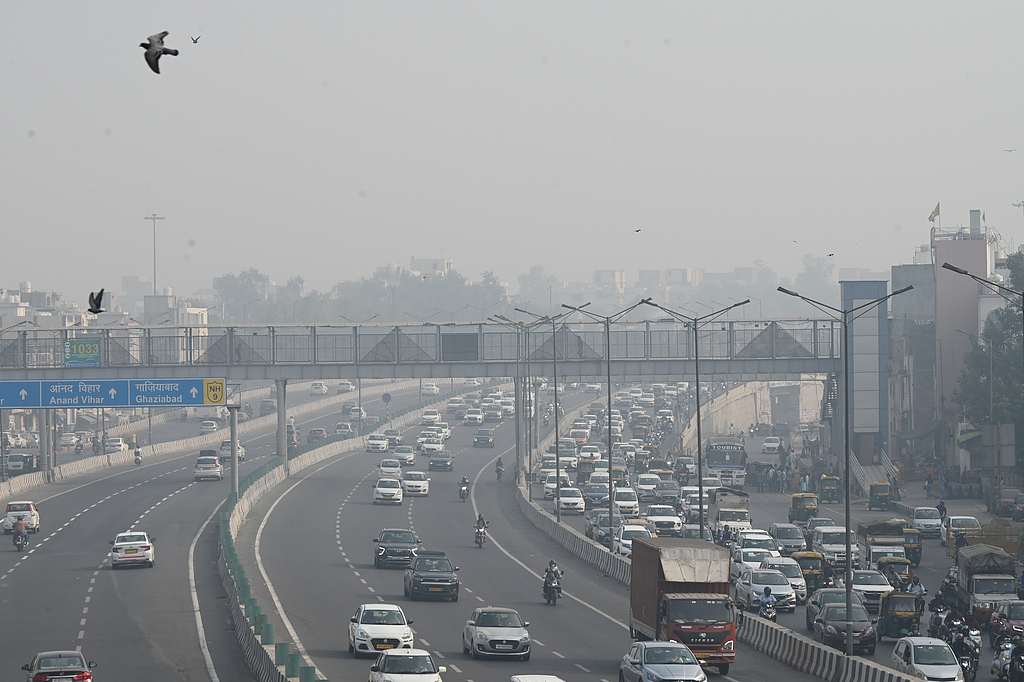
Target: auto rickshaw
[[802, 507], [901, 565], [812, 564], [829, 489], [899, 614], [880, 496], [912, 545], [583, 471]]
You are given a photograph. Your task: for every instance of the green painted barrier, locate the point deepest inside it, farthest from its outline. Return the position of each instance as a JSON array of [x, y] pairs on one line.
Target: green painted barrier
[[267, 634], [307, 673], [291, 666], [281, 652]]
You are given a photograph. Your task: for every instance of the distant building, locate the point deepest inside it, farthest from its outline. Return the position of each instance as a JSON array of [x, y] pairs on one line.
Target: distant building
[[431, 266]]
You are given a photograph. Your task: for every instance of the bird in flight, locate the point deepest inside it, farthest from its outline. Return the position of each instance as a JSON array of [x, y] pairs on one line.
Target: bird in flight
[[636, 230], [831, 254], [1009, 150], [195, 40], [95, 302], [155, 49]]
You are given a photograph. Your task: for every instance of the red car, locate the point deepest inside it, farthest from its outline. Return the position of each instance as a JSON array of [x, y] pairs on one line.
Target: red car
[[1008, 618], [830, 628]]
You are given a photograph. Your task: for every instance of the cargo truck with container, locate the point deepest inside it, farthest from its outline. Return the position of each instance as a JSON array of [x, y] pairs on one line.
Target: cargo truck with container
[[679, 592], [728, 507], [984, 577]]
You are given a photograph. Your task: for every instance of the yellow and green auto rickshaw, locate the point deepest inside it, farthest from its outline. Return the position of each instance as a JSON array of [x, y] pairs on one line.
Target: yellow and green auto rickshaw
[[900, 564], [880, 496], [812, 564], [912, 545], [828, 487], [584, 468], [899, 614], [803, 507]]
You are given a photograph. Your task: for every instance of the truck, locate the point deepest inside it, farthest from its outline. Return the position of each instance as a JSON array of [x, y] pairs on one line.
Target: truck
[[984, 577], [728, 507], [679, 592], [877, 539], [212, 412]]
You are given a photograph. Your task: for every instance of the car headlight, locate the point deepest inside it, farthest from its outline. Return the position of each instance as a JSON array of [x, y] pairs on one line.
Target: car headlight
[[481, 636], [525, 637], [361, 634], [831, 630], [381, 550], [407, 636], [959, 673], [729, 646], [651, 676], [918, 673], [701, 678], [869, 631]]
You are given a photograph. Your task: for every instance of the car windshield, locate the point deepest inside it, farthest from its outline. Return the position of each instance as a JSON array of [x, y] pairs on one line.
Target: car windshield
[[903, 604], [131, 538], [838, 612], [667, 485], [594, 489], [869, 579], [571, 492], [649, 479], [387, 483], [733, 515], [499, 619], [670, 655], [769, 578], [18, 507], [755, 555], [382, 617], [929, 513], [994, 586], [789, 534], [408, 665], [763, 543], [630, 533], [434, 564], [821, 521], [398, 536], [389, 464], [1015, 612], [700, 611], [625, 496], [933, 654], [661, 511], [61, 662], [415, 476], [789, 570]]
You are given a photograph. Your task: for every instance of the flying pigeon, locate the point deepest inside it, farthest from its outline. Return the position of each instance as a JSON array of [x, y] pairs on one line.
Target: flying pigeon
[[155, 49], [95, 301], [636, 230], [195, 40]]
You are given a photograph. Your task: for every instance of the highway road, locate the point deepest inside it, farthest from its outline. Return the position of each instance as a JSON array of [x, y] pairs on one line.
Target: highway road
[[61, 592], [312, 540]]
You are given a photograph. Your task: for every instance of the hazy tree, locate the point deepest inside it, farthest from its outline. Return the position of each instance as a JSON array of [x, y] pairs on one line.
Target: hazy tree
[[237, 290], [534, 287]]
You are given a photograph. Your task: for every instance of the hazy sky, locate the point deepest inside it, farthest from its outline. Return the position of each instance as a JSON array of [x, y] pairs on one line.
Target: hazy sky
[[326, 138]]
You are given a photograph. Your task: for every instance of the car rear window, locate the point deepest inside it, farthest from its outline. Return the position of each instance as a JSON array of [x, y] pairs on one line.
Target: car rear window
[[206, 460]]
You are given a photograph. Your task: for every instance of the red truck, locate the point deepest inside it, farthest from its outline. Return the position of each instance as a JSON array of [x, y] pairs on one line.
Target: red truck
[[679, 592]]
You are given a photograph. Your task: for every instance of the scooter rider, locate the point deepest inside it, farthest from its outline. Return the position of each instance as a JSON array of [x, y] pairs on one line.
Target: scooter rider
[[138, 455], [552, 574], [19, 528], [917, 587], [766, 598]]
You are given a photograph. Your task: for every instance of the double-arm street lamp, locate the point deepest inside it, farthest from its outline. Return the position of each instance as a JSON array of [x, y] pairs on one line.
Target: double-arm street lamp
[[846, 317], [607, 321], [696, 323], [553, 319]]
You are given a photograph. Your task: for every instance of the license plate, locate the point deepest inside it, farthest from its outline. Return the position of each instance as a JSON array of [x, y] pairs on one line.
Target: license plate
[[435, 589], [698, 655], [385, 646], [507, 647], [131, 551]]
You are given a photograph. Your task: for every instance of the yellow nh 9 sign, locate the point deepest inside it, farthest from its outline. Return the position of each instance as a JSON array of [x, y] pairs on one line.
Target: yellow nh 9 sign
[[214, 391]]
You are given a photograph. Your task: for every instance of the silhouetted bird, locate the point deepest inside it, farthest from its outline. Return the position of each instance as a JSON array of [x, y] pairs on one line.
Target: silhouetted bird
[[636, 230], [155, 49], [195, 40], [95, 301]]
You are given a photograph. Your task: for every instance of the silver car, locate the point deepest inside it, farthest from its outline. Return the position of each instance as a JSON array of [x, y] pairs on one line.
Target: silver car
[[494, 631], [657, 661], [926, 658]]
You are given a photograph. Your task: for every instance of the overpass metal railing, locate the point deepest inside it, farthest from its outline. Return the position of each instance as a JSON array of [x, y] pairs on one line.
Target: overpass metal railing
[[369, 344]]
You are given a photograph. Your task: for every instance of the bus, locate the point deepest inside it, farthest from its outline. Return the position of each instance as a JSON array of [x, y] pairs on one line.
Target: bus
[[727, 456]]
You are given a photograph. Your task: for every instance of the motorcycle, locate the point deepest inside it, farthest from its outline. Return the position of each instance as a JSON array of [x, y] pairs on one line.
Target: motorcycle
[[547, 420], [938, 614], [1016, 669], [78, 448], [969, 663], [499, 471], [551, 591], [463, 492], [184, 415], [138, 460], [1001, 659], [768, 612], [20, 542], [479, 537]]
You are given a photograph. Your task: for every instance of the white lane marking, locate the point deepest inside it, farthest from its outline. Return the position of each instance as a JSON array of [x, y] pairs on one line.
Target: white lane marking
[[81, 622], [81, 634], [438, 654], [539, 643], [558, 654], [195, 596], [479, 599], [582, 668], [476, 511], [455, 668]]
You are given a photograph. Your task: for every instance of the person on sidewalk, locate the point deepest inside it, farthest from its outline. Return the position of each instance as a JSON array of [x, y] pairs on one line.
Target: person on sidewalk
[[928, 486]]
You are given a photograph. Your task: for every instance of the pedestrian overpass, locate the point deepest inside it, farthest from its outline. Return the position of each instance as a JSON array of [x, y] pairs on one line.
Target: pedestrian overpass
[[729, 350]]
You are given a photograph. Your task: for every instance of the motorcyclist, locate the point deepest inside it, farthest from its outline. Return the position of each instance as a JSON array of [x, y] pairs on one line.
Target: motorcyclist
[[20, 529], [941, 506], [1015, 652], [766, 598], [499, 467], [961, 541], [138, 455], [726, 535], [553, 575], [917, 587], [480, 523], [893, 577]]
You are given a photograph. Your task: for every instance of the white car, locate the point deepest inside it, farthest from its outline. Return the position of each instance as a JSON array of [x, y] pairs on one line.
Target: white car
[[208, 467], [27, 510], [791, 569], [646, 484], [430, 445], [471, 382], [747, 558], [318, 388], [925, 658], [416, 483], [571, 501], [387, 491], [389, 468], [474, 417], [133, 547], [752, 582], [377, 442], [645, 400], [207, 427], [224, 452], [665, 520], [430, 389], [405, 454], [67, 440], [928, 521], [870, 585], [430, 417], [116, 445], [624, 537], [405, 665], [343, 428], [771, 445], [378, 627], [345, 387], [626, 502], [551, 484], [443, 429]]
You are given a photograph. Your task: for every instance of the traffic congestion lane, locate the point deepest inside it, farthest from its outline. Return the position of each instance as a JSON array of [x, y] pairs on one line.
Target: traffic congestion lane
[[79, 520]]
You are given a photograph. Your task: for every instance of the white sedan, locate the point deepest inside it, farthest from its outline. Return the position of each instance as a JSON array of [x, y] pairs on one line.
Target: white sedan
[[570, 501], [624, 537], [389, 468], [387, 491], [132, 547]]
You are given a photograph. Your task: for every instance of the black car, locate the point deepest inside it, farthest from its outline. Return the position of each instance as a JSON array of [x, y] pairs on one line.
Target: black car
[[483, 438], [431, 574], [594, 494], [822, 598], [441, 460], [395, 547], [492, 413]]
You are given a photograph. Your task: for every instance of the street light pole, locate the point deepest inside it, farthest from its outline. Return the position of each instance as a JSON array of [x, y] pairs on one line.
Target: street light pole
[[845, 319], [607, 320], [696, 323], [154, 218]]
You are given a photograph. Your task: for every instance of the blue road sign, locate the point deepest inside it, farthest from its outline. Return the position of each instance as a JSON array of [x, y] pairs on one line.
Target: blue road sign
[[386, 397], [111, 393], [16, 395]]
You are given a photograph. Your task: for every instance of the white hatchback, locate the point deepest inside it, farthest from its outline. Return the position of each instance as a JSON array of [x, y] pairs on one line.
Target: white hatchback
[[389, 468], [377, 442], [318, 388], [378, 627], [387, 491], [208, 427], [416, 483]]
